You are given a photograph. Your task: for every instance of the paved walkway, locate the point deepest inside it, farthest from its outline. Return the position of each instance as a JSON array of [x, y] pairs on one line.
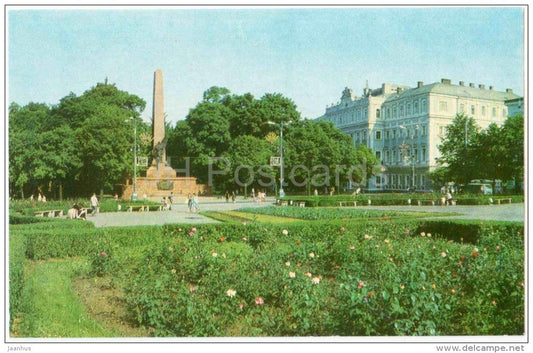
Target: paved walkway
[[180, 214], [508, 212]]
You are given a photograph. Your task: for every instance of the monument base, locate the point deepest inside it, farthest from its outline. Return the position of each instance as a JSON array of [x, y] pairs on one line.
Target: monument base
[[159, 187], [160, 170]]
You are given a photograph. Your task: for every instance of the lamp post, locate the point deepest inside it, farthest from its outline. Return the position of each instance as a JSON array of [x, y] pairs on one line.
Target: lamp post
[[281, 191], [134, 195]]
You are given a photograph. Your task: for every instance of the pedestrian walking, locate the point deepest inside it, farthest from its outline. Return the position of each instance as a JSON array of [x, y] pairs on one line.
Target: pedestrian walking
[[94, 204], [195, 203], [189, 202], [227, 196], [449, 200], [233, 196]]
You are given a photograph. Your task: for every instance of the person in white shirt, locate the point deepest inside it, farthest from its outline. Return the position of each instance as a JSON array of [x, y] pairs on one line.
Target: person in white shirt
[[94, 204]]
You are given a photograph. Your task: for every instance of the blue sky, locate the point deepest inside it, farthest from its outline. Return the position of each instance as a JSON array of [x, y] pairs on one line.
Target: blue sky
[[306, 54]]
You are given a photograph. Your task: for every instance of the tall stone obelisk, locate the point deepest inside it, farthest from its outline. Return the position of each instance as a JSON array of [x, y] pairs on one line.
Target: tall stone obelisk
[[158, 128], [159, 167]]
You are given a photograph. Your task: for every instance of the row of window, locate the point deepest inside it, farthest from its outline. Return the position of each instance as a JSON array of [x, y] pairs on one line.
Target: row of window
[[343, 118], [391, 134], [398, 156], [399, 181], [404, 109], [401, 110]]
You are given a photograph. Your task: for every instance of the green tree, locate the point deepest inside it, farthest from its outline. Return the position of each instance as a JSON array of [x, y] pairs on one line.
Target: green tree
[[512, 137], [247, 154], [458, 150]]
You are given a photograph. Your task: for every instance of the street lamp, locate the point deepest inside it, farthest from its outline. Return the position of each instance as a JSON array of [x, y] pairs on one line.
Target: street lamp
[[134, 195], [281, 191]]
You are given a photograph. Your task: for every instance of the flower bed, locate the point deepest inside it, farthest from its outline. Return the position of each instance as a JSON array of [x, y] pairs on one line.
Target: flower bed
[[320, 278], [333, 213], [373, 279]]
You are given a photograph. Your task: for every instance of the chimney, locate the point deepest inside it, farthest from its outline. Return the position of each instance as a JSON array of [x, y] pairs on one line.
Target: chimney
[[472, 85], [509, 90], [461, 83], [482, 86], [419, 84], [491, 88], [445, 81]]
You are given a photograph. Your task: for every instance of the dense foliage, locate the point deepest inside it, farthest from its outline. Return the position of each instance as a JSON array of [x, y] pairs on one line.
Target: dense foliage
[[235, 136], [81, 145], [470, 153]]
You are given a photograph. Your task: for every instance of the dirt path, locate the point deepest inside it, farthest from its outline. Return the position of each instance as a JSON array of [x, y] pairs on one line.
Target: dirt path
[[105, 304]]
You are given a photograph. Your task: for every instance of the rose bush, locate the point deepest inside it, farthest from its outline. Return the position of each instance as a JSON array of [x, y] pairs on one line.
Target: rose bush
[[378, 278]]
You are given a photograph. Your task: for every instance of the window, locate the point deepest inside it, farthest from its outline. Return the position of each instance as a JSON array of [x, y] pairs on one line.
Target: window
[[461, 108], [357, 137], [415, 108], [366, 114], [443, 106], [423, 154], [378, 135], [393, 134], [388, 113], [494, 112], [473, 109], [408, 108], [394, 112], [483, 110], [401, 110], [387, 135], [387, 156], [378, 156], [441, 130], [424, 106], [394, 156], [423, 130], [378, 113]]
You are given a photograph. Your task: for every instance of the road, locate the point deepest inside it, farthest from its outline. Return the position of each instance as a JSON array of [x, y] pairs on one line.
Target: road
[[180, 214]]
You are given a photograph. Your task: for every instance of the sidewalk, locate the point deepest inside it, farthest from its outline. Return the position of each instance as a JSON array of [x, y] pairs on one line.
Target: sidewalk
[[178, 214]]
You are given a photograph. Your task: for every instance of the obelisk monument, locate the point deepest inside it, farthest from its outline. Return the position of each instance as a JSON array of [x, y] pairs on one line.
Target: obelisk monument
[[159, 167]]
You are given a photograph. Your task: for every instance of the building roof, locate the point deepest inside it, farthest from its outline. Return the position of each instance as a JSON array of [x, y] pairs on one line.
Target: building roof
[[458, 91]]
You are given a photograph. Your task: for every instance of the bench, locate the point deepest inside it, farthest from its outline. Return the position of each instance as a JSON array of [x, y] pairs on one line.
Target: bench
[[144, 208], [49, 213], [347, 203], [421, 202], [509, 200]]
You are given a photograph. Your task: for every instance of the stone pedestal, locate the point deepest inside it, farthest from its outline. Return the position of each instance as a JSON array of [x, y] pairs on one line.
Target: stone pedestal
[[159, 187], [161, 171]]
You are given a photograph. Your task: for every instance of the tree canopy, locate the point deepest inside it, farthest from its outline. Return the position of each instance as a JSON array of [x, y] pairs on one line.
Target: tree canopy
[[81, 145], [495, 153]]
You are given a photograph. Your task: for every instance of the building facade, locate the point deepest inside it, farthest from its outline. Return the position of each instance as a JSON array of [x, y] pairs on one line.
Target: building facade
[[404, 126]]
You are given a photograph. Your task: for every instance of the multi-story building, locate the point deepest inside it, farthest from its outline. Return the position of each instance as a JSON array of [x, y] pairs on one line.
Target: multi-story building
[[404, 125]]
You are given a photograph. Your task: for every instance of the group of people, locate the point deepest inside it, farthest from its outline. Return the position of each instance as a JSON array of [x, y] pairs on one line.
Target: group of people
[[40, 198], [446, 198], [77, 211], [260, 197], [192, 202], [167, 202]]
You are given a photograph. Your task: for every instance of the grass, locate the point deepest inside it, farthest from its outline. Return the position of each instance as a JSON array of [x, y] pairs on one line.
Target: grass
[[52, 307], [239, 217]]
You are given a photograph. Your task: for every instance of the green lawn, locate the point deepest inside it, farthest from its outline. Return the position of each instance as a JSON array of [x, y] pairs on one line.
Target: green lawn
[[52, 307]]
